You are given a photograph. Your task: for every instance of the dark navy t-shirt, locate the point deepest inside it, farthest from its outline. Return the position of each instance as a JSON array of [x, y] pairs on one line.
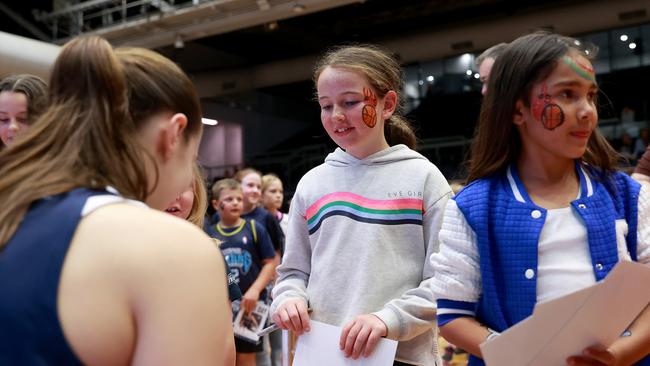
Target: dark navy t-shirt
[[244, 247], [265, 219]]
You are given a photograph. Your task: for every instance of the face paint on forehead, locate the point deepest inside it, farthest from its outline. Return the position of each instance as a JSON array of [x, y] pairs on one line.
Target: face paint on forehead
[[584, 71], [369, 113], [550, 114]]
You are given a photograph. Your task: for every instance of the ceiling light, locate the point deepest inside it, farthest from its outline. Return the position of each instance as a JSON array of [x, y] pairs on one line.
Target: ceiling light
[[469, 72], [576, 42], [623, 37], [263, 5], [466, 58], [298, 8], [476, 76], [421, 82], [178, 42], [632, 45], [430, 78], [208, 121], [271, 26]]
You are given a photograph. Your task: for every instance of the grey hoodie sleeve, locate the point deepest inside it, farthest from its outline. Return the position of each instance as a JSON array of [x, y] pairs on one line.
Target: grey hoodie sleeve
[[415, 311], [293, 273]]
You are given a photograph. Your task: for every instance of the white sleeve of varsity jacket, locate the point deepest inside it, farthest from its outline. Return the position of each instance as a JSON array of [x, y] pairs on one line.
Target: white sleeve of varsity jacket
[[457, 278], [643, 225], [294, 271], [415, 311]]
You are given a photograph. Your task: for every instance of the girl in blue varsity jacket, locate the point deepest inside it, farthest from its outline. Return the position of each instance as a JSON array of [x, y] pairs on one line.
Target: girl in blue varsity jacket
[[544, 213]]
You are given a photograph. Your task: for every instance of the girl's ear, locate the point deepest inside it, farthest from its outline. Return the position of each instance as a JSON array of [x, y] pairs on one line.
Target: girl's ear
[[518, 115], [171, 134], [390, 104]]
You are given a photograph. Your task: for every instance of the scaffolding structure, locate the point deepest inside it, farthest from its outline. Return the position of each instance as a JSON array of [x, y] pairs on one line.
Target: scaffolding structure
[[156, 23]]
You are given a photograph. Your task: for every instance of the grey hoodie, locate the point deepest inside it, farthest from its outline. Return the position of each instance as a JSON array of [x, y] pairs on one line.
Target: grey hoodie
[[360, 235]]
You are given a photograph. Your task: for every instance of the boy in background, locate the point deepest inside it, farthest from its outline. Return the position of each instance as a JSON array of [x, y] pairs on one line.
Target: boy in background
[[247, 248]]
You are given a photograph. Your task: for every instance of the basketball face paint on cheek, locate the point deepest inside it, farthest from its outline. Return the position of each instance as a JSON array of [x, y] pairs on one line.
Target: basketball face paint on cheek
[[550, 114], [369, 113]]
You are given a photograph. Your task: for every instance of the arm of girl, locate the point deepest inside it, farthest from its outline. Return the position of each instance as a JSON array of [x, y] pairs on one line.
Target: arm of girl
[[249, 300], [627, 350], [289, 307], [457, 282], [267, 256], [466, 333], [414, 312]]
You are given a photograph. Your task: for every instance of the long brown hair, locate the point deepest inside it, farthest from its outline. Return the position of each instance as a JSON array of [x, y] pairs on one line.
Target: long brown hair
[[384, 74], [88, 136], [524, 62]]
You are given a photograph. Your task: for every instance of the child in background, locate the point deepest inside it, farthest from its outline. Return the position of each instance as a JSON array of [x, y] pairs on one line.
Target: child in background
[[251, 185], [545, 213], [22, 99], [191, 206], [363, 225], [248, 250], [273, 198]]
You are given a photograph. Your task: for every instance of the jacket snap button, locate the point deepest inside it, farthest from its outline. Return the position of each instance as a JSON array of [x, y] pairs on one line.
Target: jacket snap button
[[599, 266], [529, 273], [582, 206], [536, 214]]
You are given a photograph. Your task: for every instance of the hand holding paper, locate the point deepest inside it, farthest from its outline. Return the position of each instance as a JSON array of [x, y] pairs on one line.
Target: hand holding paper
[[361, 334], [293, 315], [563, 327], [320, 347]]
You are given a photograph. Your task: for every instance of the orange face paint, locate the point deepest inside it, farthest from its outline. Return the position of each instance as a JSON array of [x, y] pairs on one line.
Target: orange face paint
[[369, 112], [550, 114]]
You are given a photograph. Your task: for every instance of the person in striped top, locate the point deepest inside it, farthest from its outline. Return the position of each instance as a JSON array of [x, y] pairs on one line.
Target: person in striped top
[[363, 224]]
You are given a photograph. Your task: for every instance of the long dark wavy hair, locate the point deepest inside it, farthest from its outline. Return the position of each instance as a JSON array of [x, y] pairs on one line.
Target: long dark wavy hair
[[524, 62]]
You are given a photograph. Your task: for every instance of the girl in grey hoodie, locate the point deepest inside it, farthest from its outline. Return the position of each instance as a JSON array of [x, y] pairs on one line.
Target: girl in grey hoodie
[[363, 224]]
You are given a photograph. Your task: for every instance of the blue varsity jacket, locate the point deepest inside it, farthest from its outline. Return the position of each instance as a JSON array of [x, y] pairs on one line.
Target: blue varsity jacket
[[508, 224]]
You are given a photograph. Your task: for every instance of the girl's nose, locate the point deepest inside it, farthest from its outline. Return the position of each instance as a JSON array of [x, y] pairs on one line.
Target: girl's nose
[[13, 125], [337, 114], [587, 111]]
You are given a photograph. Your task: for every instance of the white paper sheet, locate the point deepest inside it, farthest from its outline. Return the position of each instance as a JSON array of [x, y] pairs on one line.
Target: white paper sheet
[[320, 347], [565, 326]]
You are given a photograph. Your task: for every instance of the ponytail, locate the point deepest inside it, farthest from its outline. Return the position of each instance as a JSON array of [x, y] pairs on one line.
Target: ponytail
[[399, 131], [88, 136]]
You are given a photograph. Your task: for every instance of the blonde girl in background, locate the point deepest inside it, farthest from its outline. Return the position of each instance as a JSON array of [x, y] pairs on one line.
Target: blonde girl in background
[[273, 199]]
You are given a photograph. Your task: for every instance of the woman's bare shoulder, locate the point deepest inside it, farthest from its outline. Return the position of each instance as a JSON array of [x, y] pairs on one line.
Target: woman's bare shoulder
[[145, 270]]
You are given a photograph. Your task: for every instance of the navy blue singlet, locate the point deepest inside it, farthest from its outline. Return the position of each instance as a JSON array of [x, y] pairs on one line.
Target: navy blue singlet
[[30, 268]]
